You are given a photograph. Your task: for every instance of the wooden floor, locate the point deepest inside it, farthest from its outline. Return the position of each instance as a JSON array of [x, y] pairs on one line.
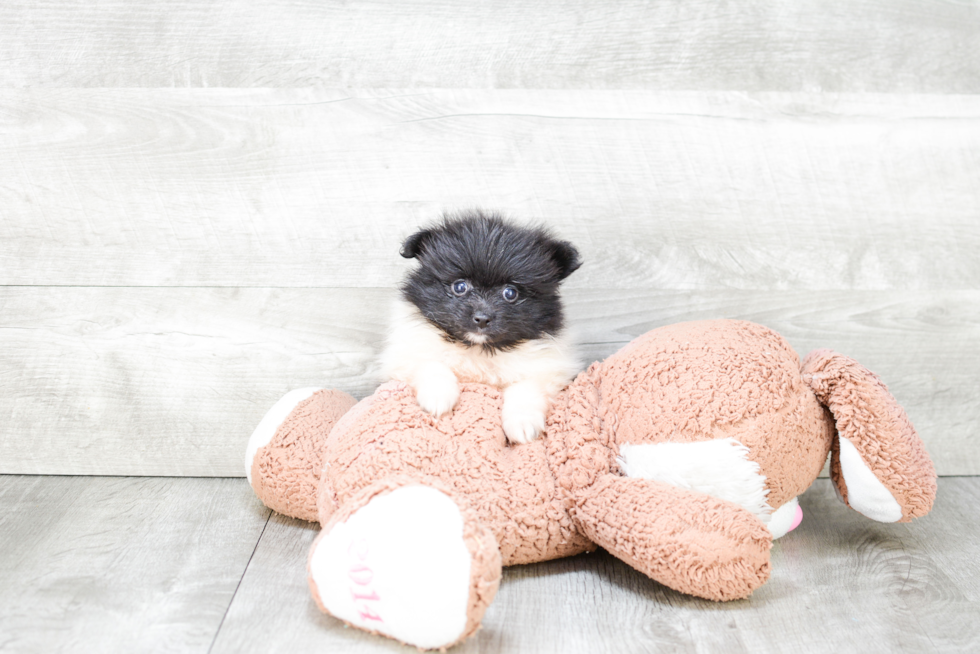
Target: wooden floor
[[103, 564]]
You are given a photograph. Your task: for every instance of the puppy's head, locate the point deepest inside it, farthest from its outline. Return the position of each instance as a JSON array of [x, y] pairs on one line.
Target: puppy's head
[[486, 282]]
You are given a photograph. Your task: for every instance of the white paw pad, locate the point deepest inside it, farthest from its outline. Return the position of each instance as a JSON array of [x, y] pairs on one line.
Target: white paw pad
[[398, 566], [522, 428], [436, 389], [523, 415]]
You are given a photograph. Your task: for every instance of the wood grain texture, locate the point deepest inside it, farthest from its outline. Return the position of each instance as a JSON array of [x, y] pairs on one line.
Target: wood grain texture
[[840, 583], [827, 45], [274, 591], [200, 209], [172, 381], [896, 591], [121, 565], [298, 188], [166, 381], [201, 203]]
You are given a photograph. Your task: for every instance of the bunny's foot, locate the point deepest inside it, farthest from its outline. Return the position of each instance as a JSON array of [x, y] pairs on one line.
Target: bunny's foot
[[405, 560]]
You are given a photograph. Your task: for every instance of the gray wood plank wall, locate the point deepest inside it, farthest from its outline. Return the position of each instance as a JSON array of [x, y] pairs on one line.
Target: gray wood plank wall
[[201, 202]]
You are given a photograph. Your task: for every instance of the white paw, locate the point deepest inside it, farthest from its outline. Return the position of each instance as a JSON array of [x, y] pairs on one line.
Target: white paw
[[398, 565], [436, 389], [524, 410], [523, 429]]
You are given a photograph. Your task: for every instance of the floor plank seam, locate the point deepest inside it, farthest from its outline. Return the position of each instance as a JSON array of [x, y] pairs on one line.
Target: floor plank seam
[[248, 563]]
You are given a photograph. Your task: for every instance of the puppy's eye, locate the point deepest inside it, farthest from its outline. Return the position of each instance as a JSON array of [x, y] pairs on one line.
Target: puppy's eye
[[460, 287], [510, 293]]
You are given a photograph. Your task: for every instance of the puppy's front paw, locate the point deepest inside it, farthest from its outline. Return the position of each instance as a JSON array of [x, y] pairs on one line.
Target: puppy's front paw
[[436, 389], [437, 399], [523, 414], [523, 428]]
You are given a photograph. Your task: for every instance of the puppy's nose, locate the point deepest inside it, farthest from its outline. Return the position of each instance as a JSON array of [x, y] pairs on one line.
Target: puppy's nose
[[482, 320]]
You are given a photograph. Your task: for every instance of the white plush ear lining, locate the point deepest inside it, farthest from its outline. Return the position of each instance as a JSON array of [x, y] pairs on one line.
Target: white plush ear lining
[[865, 492]]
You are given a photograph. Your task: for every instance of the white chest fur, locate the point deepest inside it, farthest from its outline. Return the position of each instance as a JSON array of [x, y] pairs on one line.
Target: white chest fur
[[413, 342]]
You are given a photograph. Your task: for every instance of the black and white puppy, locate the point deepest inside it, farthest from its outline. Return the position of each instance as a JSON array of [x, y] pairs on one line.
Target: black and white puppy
[[483, 306]]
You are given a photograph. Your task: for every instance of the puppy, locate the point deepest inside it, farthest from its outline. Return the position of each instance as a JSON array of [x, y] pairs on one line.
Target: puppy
[[483, 306]]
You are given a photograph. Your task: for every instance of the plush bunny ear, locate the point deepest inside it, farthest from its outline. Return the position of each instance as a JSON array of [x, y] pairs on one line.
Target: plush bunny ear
[[415, 243], [565, 257], [878, 462]]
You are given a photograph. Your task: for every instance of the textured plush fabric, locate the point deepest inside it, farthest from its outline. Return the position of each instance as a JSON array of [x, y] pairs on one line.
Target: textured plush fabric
[[485, 570], [286, 472], [565, 493], [718, 379], [510, 487], [869, 416], [690, 541]]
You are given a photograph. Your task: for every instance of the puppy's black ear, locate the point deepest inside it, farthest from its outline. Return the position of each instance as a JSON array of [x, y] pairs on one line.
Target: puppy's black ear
[[415, 243], [565, 257]]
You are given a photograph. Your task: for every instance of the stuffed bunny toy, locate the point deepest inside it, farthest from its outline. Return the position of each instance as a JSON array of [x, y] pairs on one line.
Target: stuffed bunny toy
[[682, 454]]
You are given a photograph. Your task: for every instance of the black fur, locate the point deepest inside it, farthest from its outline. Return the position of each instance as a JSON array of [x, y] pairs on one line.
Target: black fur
[[489, 255]]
